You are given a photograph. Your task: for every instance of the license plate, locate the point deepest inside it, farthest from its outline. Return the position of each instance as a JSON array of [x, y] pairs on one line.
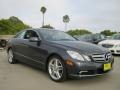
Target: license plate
[[107, 66]]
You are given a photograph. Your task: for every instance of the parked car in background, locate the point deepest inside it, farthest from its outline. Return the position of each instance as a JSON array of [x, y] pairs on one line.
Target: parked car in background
[[92, 38], [3, 43], [59, 54], [113, 43]]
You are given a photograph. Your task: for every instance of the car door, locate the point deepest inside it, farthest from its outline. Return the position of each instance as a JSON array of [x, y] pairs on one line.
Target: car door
[[18, 46], [34, 51], [21, 46]]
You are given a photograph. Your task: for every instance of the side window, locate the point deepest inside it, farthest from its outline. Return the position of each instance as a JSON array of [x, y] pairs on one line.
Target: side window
[[30, 34], [20, 35]]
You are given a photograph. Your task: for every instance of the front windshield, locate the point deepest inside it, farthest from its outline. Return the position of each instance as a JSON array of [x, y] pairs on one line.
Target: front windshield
[[115, 37], [53, 35]]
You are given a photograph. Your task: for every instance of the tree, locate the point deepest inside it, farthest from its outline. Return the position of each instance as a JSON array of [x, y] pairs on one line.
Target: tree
[[78, 32], [15, 19], [107, 32], [11, 25], [48, 26], [66, 20], [43, 10]]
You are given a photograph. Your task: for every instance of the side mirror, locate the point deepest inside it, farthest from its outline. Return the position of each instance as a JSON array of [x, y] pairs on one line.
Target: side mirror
[[34, 39]]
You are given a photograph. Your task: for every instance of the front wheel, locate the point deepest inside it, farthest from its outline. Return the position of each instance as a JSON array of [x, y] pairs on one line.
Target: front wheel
[[56, 69]]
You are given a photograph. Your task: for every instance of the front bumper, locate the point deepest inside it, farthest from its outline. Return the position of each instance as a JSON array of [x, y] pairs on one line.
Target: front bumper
[[83, 69]]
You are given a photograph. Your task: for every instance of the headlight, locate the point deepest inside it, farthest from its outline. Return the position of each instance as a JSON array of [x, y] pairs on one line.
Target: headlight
[[87, 57], [76, 55]]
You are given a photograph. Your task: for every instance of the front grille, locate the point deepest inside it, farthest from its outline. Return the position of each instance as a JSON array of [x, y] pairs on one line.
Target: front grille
[[101, 57], [107, 45]]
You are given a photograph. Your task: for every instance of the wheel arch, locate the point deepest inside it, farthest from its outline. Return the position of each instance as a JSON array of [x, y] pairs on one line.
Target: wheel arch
[[48, 58], [8, 49]]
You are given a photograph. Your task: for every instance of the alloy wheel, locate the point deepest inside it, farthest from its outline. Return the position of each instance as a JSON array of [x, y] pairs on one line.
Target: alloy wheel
[[55, 69]]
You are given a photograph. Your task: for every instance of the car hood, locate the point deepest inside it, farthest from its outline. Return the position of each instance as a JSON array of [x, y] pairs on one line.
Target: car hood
[[83, 47], [113, 42]]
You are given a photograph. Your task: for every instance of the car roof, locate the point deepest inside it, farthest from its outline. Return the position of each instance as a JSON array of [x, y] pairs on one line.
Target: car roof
[[36, 29]]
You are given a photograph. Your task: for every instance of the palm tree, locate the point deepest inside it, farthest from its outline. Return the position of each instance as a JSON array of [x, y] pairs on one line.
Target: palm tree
[[43, 10], [66, 20]]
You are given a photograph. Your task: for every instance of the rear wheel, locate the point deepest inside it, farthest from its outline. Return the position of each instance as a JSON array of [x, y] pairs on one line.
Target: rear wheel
[[56, 69], [11, 58]]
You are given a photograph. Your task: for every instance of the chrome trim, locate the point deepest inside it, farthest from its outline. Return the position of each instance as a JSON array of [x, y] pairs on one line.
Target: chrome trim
[[87, 75], [82, 72]]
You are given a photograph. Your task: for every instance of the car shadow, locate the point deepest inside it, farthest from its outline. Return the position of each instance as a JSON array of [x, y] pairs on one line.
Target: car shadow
[[88, 80]]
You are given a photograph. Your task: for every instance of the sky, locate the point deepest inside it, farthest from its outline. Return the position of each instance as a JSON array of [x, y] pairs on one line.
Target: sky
[[93, 15]]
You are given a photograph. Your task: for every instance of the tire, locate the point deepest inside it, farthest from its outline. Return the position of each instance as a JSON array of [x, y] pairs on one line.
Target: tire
[[56, 69], [11, 58]]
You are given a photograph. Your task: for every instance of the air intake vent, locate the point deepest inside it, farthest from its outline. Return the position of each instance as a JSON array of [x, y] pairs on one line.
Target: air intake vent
[[107, 45]]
